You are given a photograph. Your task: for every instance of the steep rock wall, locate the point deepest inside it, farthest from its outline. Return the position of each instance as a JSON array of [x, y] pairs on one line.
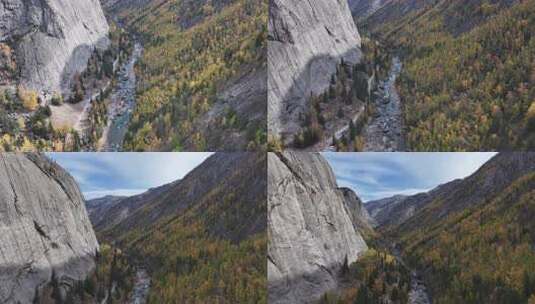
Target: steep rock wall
[[44, 228], [306, 41], [52, 39], [310, 233]]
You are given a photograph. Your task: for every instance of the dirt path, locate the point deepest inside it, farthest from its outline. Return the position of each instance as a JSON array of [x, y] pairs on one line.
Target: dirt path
[[74, 116]]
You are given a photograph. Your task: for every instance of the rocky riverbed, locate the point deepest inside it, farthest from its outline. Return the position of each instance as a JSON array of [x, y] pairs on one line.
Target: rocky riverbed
[[384, 132], [122, 103], [418, 293], [141, 287]]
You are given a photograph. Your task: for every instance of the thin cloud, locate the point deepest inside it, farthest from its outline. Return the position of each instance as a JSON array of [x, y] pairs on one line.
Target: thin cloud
[[379, 175], [100, 174]]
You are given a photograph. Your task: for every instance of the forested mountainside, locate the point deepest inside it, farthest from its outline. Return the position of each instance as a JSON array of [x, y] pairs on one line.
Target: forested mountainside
[[212, 224], [202, 76], [468, 71], [474, 243], [47, 242]]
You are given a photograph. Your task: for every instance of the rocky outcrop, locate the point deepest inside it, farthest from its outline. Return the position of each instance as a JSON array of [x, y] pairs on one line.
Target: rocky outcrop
[[44, 228], [52, 39], [246, 97], [358, 214], [310, 233], [306, 42]]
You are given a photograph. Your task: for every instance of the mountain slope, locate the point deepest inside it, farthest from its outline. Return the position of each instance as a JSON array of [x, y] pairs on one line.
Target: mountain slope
[[212, 224], [471, 239], [107, 212], [45, 231], [311, 235], [202, 76], [422, 209], [468, 70], [306, 42], [482, 252], [207, 184], [362, 9]]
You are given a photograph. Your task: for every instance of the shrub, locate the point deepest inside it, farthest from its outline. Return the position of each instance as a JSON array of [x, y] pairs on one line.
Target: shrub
[[29, 98]]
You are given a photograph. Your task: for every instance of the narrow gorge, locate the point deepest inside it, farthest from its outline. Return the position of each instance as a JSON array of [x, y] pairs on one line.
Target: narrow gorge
[[327, 246]]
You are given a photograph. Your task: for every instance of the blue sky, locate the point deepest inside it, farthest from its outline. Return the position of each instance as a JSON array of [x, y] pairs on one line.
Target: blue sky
[[379, 175], [100, 174]]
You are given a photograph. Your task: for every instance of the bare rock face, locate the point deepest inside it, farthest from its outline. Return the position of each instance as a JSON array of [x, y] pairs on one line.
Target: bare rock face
[[44, 228], [53, 39], [362, 221], [310, 232], [306, 41]]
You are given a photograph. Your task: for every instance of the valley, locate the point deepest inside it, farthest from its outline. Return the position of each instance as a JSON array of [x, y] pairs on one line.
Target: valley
[[463, 80], [199, 238], [465, 241], [125, 80]]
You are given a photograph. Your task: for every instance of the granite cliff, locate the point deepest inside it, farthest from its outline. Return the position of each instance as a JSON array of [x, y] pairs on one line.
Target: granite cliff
[[311, 235], [306, 42], [45, 232], [50, 40]]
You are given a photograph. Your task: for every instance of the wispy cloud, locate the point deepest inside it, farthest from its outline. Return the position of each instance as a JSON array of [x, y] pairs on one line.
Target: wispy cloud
[[100, 174], [380, 175]]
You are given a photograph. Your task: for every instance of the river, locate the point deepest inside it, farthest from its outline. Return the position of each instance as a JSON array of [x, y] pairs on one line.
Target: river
[[418, 292], [384, 132], [122, 103], [141, 289]]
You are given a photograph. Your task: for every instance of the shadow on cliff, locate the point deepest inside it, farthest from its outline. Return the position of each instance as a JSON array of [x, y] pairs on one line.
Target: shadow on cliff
[[77, 62], [22, 283], [304, 287], [313, 79]]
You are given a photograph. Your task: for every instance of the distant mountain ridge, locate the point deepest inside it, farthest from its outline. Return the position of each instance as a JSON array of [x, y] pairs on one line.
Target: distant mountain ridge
[[424, 208], [209, 228], [114, 217]]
